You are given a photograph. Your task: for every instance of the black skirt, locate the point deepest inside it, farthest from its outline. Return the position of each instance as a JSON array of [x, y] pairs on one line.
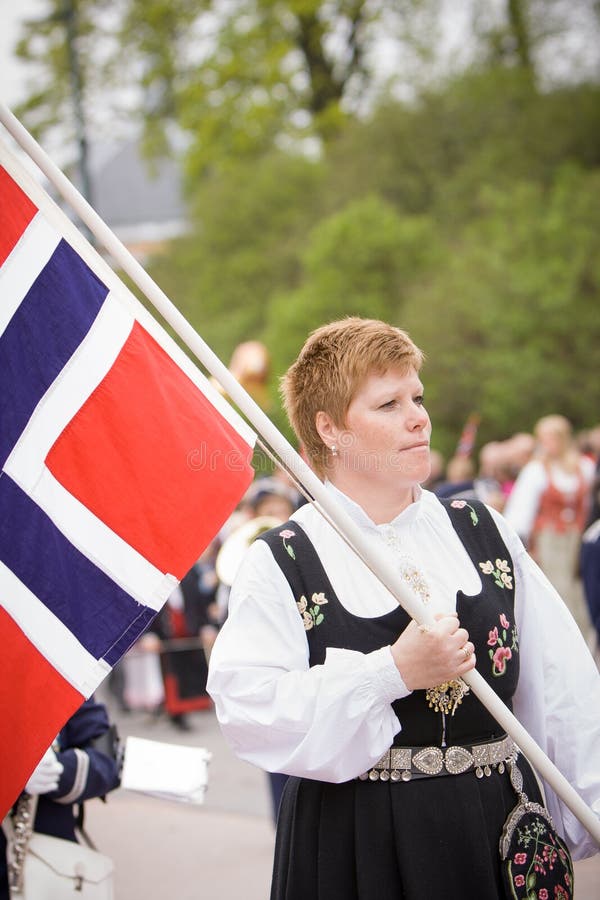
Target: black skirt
[[419, 840]]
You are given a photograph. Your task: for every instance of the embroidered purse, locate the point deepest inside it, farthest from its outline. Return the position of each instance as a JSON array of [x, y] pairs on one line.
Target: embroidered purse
[[536, 864]]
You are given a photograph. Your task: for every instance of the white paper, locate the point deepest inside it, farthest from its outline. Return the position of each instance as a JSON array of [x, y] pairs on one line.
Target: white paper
[[168, 771]]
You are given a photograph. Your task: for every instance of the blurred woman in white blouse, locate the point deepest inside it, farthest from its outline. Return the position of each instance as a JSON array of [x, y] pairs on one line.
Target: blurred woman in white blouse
[[548, 508]]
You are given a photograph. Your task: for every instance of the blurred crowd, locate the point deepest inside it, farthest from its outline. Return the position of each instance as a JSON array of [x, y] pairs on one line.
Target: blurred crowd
[[546, 483], [165, 672]]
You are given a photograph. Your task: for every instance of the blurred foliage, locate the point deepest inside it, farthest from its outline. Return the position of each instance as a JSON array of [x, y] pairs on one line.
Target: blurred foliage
[[239, 77], [44, 45], [509, 318], [243, 246], [358, 261], [467, 212]]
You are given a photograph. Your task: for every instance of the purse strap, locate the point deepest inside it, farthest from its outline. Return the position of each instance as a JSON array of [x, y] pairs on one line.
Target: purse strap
[[18, 827]]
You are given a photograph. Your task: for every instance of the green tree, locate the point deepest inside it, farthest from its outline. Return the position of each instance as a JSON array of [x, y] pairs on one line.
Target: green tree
[[485, 127], [245, 76], [248, 227], [358, 261], [467, 214], [509, 318], [407, 220], [242, 77], [58, 43], [523, 33]]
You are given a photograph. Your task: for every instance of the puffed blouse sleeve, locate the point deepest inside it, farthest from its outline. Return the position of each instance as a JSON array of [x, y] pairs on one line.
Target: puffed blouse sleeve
[[558, 695], [330, 722]]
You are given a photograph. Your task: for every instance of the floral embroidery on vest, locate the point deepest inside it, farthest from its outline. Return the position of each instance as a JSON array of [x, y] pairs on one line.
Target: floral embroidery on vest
[[311, 616], [461, 504], [500, 572], [498, 640], [286, 534]]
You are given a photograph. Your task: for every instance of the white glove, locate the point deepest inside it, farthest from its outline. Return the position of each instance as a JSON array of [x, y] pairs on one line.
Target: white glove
[[44, 777]]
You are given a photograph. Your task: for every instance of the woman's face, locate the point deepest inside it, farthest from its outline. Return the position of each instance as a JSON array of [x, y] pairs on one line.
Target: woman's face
[[551, 441], [387, 430]]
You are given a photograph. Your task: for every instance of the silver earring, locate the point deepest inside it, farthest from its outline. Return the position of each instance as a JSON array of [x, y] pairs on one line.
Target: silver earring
[[334, 451]]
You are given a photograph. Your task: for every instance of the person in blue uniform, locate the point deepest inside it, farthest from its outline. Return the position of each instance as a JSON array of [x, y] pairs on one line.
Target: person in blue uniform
[[402, 785], [590, 562], [81, 764]]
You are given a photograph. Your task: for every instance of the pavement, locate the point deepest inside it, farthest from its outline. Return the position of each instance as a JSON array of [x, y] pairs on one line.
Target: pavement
[[221, 850], [164, 850]]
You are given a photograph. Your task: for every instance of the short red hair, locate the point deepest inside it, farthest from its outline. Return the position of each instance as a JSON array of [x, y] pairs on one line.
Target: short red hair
[[333, 363]]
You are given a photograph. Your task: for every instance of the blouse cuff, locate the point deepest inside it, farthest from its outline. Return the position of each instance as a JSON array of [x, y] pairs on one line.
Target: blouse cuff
[[385, 679], [386, 671]]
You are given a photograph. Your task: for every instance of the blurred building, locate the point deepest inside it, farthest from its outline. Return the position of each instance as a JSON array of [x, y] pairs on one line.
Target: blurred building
[[141, 202]]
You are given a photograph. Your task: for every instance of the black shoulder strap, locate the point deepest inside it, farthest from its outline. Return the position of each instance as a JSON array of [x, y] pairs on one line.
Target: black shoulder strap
[[296, 556], [475, 526]]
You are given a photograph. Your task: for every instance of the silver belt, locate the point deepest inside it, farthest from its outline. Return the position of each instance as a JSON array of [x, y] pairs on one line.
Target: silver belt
[[406, 763]]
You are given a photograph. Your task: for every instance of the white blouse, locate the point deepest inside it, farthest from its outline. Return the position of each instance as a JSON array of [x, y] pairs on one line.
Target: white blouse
[[333, 721]]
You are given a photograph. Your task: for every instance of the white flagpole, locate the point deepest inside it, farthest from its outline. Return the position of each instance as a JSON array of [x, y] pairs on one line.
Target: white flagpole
[[363, 546]]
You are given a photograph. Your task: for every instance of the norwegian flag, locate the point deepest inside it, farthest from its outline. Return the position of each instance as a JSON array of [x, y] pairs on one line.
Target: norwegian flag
[[118, 464]]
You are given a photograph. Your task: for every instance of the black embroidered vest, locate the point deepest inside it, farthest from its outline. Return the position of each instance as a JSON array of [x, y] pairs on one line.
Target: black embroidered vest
[[488, 617]]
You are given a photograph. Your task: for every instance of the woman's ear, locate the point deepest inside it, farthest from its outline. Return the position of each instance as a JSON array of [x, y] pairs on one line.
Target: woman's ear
[[326, 428]]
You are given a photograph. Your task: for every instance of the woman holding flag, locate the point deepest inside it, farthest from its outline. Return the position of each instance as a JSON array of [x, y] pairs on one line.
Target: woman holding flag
[[403, 785]]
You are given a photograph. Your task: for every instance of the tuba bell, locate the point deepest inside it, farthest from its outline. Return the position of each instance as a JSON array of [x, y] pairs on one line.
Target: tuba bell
[[235, 546]]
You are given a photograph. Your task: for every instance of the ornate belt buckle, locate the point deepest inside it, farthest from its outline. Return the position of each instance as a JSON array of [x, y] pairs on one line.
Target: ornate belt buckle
[[430, 760], [457, 760], [400, 758]]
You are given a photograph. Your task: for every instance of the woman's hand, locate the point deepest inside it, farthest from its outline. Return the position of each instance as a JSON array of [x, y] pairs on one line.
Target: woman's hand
[[429, 655]]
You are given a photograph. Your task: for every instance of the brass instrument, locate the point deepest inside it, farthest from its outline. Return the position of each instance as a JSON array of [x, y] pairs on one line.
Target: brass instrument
[[235, 546]]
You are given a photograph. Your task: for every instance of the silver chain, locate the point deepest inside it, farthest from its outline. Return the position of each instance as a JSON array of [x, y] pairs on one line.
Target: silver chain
[[22, 826]]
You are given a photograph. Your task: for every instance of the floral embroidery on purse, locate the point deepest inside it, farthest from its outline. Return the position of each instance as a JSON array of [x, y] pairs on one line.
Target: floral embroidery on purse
[[536, 863], [499, 652], [311, 616]]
